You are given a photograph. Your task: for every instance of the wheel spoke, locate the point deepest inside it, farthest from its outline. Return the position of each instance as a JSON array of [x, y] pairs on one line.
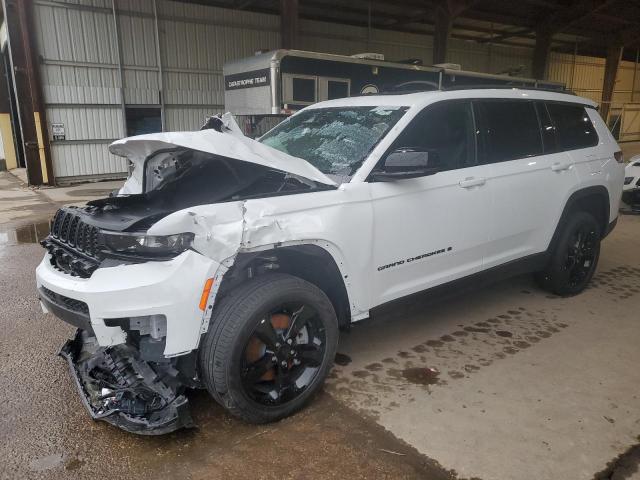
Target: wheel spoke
[[282, 383], [267, 335], [286, 356], [296, 324], [310, 355], [256, 370]]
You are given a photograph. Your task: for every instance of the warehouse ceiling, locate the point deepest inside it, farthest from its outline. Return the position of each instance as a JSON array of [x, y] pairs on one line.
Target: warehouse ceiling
[[590, 25]]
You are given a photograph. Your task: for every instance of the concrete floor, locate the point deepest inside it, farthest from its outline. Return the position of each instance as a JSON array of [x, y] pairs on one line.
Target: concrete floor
[[502, 382], [507, 382]]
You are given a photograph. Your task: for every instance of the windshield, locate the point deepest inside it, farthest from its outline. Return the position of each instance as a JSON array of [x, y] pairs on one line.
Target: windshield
[[334, 140]]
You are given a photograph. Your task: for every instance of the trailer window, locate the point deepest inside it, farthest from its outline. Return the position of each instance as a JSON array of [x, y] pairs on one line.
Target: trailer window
[[337, 89], [334, 140], [304, 90]]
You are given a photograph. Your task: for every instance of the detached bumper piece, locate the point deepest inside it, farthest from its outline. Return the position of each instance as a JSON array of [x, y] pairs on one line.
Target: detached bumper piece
[[119, 388]]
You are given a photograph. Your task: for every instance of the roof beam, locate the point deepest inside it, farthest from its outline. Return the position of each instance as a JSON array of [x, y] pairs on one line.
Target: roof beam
[[562, 19]]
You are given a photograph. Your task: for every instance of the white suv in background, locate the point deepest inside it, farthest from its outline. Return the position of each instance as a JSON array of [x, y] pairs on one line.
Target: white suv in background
[[631, 189], [230, 264]]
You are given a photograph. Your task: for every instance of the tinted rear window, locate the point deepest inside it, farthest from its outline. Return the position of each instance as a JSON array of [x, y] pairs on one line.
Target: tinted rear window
[[573, 126], [510, 129]]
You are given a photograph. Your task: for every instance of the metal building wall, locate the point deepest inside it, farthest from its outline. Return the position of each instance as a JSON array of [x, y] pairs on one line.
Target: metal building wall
[[81, 85], [88, 75]]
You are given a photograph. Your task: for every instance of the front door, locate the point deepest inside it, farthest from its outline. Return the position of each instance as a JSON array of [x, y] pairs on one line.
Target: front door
[[432, 229]]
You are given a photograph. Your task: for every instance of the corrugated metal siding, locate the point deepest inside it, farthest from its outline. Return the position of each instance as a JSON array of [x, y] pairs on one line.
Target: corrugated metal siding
[[141, 87], [80, 65], [85, 159], [74, 35], [66, 84], [88, 123], [186, 118]]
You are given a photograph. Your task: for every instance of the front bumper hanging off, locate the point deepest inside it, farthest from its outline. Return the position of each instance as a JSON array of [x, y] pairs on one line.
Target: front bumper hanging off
[[118, 387]]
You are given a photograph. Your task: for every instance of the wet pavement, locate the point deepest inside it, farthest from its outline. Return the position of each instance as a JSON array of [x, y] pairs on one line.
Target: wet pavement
[[46, 433]]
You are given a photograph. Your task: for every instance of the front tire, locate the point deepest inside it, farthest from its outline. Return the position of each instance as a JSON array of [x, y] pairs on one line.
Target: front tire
[[574, 258], [269, 347]]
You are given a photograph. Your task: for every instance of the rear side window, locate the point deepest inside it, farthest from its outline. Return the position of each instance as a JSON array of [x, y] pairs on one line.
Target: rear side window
[[573, 126], [510, 129]]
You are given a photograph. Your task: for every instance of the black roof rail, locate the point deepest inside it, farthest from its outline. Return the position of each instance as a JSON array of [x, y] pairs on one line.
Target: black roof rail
[[506, 86], [430, 87]]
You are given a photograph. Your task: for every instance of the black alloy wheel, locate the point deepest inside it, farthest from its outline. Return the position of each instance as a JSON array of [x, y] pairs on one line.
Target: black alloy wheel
[[581, 254], [270, 345], [284, 354], [574, 257]]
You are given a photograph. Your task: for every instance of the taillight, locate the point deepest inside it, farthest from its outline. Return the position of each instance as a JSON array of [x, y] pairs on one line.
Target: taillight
[[618, 156]]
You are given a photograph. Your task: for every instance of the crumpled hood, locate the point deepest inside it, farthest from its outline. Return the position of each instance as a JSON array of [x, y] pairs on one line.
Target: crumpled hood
[[230, 143]]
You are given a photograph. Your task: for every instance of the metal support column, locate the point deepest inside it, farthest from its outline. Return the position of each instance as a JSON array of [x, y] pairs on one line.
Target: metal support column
[[289, 23], [441, 34], [541, 53], [120, 72], [614, 53], [160, 71], [28, 89], [635, 74]]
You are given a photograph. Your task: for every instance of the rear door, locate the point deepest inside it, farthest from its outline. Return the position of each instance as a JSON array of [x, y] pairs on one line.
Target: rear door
[[529, 177]]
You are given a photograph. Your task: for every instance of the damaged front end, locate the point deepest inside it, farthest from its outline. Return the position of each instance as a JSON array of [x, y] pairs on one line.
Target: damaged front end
[[117, 386]]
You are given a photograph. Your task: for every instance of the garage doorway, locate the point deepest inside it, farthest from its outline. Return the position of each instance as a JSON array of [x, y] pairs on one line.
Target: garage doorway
[[141, 120]]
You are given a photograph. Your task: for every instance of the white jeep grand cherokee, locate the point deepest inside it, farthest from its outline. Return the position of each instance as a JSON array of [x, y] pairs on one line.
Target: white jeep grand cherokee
[[231, 264]]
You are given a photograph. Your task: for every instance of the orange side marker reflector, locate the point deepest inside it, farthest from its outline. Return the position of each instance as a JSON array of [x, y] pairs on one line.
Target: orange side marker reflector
[[205, 293]]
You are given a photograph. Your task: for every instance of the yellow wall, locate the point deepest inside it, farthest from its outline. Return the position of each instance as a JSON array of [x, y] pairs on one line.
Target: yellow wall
[[6, 131], [43, 164]]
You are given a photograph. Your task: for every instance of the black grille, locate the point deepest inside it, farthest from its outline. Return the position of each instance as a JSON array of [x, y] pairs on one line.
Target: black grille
[[73, 244], [69, 303], [68, 227]]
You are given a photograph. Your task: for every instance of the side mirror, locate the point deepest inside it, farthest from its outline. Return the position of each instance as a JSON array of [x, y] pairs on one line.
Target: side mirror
[[407, 163]]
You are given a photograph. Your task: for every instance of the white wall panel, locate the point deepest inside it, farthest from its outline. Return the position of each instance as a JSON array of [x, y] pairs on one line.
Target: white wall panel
[[188, 118], [67, 84], [88, 123], [141, 87], [138, 41], [71, 160], [75, 35], [193, 89]]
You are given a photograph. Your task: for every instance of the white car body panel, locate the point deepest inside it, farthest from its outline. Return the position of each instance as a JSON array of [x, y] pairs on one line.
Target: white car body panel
[[172, 288], [362, 225], [409, 219], [632, 170]]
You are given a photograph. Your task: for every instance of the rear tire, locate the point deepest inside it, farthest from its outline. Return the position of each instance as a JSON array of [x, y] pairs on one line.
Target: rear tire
[[574, 258], [269, 347]]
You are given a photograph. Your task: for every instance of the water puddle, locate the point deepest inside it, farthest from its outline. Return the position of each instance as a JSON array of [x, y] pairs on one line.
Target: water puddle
[[32, 233], [342, 359], [421, 376]]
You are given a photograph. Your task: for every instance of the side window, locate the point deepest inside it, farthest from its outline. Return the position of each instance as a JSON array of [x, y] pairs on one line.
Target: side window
[[547, 129], [510, 129], [573, 126], [445, 128]]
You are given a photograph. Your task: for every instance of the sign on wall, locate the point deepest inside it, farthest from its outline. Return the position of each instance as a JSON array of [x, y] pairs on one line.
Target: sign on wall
[[57, 131]]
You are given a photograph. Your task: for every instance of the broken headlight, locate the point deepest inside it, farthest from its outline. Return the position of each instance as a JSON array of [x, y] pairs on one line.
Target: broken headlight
[[142, 244]]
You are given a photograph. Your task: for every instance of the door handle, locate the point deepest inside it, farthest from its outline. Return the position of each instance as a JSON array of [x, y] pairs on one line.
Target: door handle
[[558, 167], [472, 182]]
